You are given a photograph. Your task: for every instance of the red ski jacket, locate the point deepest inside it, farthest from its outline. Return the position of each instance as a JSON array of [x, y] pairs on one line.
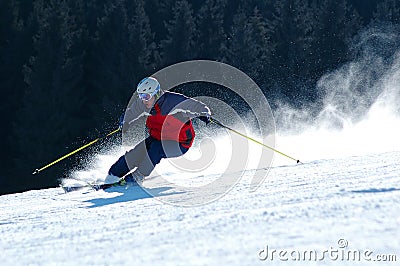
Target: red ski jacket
[[170, 117], [169, 127]]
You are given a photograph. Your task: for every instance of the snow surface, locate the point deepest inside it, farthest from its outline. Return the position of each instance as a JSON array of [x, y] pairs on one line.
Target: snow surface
[[299, 207]]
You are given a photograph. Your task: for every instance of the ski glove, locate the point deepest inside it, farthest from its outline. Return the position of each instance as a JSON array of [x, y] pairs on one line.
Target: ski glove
[[205, 118]]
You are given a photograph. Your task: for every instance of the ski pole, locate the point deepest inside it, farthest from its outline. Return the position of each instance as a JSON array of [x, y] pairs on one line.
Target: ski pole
[[75, 151], [256, 141]]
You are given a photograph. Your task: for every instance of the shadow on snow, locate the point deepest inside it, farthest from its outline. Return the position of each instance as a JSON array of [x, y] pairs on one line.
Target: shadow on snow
[[376, 190], [130, 194]]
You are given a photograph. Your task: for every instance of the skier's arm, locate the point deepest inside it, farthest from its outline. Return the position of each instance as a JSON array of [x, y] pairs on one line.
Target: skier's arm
[[135, 110], [193, 108]]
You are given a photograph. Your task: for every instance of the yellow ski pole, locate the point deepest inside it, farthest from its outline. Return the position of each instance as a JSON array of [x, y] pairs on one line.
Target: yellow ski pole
[[75, 151], [256, 141]]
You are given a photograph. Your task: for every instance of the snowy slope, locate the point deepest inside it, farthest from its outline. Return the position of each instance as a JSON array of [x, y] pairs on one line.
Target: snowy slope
[[302, 207]]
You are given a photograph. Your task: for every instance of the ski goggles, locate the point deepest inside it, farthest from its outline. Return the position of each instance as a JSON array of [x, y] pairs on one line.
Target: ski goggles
[[145, 96]]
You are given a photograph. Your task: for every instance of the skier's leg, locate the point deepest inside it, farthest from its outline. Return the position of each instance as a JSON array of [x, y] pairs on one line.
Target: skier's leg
[[157, 150], [145, 166], [128, 161]]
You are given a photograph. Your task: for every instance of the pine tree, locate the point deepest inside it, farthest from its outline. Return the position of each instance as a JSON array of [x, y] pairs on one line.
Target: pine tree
[[144, 57], [179, 44], [8, 81], [250, 46], [108, 63], [237, 50], [337, 23], [291, 34], [16, 30], [388, 10], [91, 11], [159, 12], [212, 40], [121, 56], [53, 103]]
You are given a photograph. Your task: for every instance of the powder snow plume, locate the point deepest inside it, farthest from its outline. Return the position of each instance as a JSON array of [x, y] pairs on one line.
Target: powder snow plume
[[360, 109]]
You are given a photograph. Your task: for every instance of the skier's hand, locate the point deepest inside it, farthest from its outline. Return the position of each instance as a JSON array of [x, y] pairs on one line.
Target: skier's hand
[[205, 118]]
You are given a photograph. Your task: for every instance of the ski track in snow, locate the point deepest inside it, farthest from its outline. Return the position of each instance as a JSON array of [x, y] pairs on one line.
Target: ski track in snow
[[298, 207]]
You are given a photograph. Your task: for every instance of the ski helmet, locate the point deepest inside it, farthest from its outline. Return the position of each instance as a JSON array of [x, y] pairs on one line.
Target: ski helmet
[[147, 88]]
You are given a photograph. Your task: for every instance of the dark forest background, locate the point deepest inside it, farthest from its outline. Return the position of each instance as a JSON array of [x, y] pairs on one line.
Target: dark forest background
[[69, 67]]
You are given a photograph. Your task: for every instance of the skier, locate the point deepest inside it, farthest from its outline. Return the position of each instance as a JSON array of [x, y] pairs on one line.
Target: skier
[[168, 123]]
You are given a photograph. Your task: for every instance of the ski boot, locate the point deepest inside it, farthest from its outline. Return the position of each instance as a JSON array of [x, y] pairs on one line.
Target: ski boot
[[135, 178]]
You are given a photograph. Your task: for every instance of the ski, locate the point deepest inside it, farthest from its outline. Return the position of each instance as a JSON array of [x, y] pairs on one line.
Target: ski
[[96, 187], [90, 186], [72, 188]]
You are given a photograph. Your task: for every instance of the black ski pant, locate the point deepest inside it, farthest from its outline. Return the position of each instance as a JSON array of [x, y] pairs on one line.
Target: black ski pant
[[146, 155]]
